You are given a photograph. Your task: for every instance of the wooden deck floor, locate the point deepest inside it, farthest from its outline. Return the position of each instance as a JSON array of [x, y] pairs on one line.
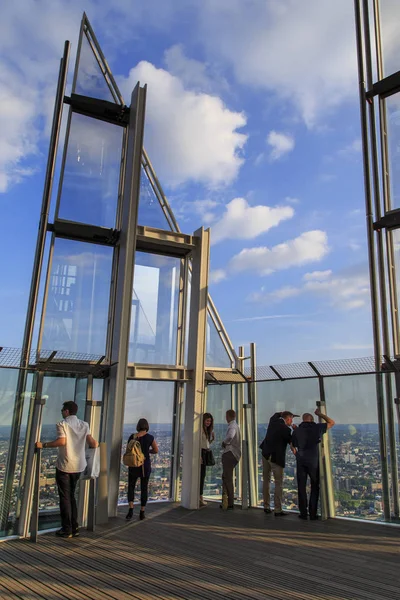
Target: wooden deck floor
[[178, 554]]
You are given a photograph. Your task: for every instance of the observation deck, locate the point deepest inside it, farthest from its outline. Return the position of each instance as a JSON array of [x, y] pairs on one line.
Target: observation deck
[[207, 554]]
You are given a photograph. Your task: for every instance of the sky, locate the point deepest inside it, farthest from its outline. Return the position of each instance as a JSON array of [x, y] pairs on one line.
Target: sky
[[252, 125]]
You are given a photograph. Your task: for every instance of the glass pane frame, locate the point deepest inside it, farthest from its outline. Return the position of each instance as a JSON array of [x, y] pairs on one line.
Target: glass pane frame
[[68, 279], [87, 34]]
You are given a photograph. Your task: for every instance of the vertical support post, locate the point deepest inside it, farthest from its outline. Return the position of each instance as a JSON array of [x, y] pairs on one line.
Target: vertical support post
[[372, 263], [176, 442], [34, 436], [195, 388], [34, 289], [246, 441], [381, 266], [327, 491], [253, 401], [87, 496], [240, 417], [123, 286], [34, 527]]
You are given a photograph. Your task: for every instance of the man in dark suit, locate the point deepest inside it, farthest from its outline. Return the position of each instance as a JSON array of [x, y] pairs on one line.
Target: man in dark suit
[[273, 449], [305, 443]]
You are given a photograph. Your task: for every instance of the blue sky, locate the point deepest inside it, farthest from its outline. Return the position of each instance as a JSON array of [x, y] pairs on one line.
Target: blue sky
[[253, 128]]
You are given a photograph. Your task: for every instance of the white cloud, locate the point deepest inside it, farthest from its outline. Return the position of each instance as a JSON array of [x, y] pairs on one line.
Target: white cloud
[[291, 200], [242, 221], [189, 135], [281, 144], [343, 291], [285, 47], [317, 275], [310, 246], [352, 150], [193, 73], [217, 276]]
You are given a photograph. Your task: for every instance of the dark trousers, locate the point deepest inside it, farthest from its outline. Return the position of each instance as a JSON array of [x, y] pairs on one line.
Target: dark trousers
[[229, 463], [308, 469], [66, 483], [133, 476], [202, 477]]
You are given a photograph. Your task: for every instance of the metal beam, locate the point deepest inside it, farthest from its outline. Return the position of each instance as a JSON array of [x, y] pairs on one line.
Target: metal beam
[[84, 233], [159, 241], [35, 283], [122, 302], [371, 259], [195, 388], [159, 373]]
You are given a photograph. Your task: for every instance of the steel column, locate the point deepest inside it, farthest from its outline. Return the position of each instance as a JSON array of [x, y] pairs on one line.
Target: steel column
[[34, 289], [123, 279], [195, 388], [371, 260], [381, 265]]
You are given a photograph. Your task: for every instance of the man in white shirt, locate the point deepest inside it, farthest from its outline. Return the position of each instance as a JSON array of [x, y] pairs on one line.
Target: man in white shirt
[[231, 454], [72, 435]]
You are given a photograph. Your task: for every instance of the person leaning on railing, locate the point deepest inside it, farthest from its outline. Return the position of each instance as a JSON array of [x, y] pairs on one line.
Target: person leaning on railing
[[305, 441], [72, 436]]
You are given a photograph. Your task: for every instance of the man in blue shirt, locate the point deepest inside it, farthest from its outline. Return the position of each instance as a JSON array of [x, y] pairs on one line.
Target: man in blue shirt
[[305, 442]]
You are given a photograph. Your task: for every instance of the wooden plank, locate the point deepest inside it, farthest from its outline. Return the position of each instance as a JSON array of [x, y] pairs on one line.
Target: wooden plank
[[202, 555]]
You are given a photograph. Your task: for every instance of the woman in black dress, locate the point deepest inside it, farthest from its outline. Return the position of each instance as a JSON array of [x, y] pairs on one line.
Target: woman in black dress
[[149, 446]]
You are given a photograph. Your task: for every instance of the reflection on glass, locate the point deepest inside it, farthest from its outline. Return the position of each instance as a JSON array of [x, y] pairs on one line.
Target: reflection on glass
[[152, 400], [389, 36], [56, 391], [298, 396], [150, 212], [77, 305], [218, 401], [216, 355], [8, 389], [90, 80], [154, 318], [355, 456], [393, 137], [91, 175]]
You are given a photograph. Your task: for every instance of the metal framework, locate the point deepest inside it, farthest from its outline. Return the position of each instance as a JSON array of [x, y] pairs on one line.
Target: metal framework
[[383, 218]]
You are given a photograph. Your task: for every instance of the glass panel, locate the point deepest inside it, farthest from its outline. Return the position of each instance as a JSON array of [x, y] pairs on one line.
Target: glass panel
[[298, 396], [216, 355], [218, 401], [91, 175], [8, 389], [389, 36], [150, 212], [56, 391], [90, 80], [355, 455], [77, 304], [154, 401], [393, 137], [154, 318]]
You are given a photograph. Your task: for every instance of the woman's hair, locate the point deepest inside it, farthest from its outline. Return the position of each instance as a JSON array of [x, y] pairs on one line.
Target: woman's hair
[[143, 425], [208, 430]]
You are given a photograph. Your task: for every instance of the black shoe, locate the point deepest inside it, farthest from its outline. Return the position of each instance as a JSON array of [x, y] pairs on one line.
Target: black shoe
[[75, 533], [304, 517], [63, 534], [230, 507], [268, 511], [315, 518], [281, 514], [142, 515], [129, 515]]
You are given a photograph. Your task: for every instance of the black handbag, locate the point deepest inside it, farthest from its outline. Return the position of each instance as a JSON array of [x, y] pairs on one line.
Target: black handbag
[[208, 457]]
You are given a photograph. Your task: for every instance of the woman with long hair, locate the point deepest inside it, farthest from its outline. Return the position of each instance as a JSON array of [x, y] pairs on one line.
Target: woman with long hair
[[149, 446], [207, 438]]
